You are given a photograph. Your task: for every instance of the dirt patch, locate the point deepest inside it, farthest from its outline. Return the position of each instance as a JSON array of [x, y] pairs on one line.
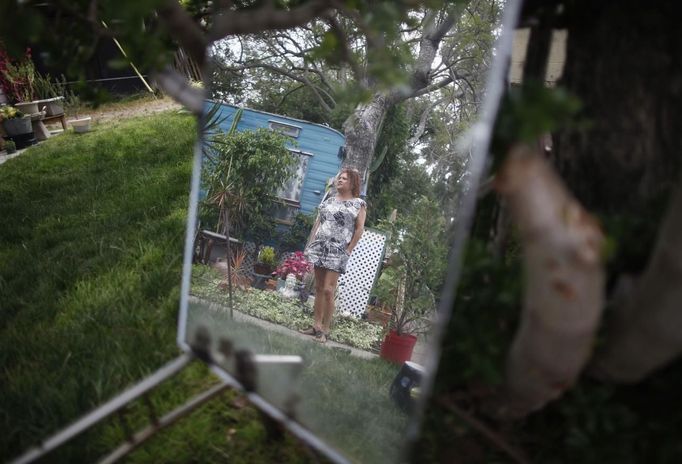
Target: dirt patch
[[141, 107], [137, 106]]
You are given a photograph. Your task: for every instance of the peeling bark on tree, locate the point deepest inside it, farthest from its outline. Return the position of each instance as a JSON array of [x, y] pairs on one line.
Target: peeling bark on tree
[[362, 130], [564, 289], [646, 332]]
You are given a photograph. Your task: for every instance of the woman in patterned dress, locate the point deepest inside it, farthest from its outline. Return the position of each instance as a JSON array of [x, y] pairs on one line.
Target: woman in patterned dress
[[338, 228]]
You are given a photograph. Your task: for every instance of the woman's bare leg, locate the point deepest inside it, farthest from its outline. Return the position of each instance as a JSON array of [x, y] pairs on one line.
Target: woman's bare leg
[[331, 279], [319, 305]]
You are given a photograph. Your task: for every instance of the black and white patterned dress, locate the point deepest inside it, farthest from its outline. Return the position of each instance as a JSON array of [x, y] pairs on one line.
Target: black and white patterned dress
[[337, 226]]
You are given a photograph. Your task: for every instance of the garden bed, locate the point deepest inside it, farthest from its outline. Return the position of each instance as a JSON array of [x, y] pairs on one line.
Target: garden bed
[[271, 306]]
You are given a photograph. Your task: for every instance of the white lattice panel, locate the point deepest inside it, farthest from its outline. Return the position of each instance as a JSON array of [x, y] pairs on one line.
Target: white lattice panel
[[251, 256], [356, 284]]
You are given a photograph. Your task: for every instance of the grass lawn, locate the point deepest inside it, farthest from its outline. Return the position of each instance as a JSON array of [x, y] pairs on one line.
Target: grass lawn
[[90, 263]]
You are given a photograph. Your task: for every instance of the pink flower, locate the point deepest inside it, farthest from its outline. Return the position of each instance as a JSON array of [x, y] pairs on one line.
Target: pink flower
[[296, 264]]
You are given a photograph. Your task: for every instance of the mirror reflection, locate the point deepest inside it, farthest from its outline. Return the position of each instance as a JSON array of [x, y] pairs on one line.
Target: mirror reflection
[[327, 206]]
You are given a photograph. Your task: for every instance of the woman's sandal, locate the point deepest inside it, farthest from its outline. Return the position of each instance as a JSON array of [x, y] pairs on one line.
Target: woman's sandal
[[310, 331], [321, 337]]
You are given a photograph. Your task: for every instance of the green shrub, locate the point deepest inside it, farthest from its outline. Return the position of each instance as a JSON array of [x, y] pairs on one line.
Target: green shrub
[[267, 256]]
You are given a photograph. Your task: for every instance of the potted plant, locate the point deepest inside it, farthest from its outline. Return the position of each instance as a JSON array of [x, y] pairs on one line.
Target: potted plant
[[407, 286], [49, 94], [263, 267], [296, 265], [10, 146], [14, 122], [266, 261], [410, 313], [19, 80]]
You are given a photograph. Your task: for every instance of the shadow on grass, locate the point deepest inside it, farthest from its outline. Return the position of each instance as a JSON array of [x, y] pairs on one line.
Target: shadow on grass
[[343, 399]]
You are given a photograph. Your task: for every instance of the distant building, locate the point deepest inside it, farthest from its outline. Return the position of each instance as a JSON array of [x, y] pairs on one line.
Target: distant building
[[318, 149]]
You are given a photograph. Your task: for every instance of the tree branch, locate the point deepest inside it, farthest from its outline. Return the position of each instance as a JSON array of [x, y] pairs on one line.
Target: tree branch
[[428, 49], [176, 85], [645, 334], [289, 92], [422, 122], [346, 53], [490, 435], [564, 282], [228, 22], [315, 89], [433, 87], [181, 26]]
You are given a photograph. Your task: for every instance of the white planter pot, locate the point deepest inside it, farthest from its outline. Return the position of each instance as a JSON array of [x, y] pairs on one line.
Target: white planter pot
[[53, 106], [81, 125], [27, 107]]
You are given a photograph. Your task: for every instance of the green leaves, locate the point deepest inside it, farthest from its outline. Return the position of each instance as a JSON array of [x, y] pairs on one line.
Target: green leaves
[[272, 307], [532, 110], [242, 172], [419, 258]]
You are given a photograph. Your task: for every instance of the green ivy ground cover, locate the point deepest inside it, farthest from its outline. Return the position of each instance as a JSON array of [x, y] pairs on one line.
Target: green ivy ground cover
[[272, 307]]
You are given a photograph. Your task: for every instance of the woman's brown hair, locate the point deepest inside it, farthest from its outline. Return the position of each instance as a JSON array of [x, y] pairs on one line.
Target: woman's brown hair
[[354, 179]]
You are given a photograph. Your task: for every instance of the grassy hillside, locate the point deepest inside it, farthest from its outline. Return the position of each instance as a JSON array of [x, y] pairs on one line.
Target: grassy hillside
[[90, 256]]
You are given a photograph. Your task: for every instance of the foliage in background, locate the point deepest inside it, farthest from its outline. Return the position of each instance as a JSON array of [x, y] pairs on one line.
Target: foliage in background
[[388, 164], [296, 236], [17, 76], [243, 170], [403, 191], [531, 110], [48, 87], [418, 257]]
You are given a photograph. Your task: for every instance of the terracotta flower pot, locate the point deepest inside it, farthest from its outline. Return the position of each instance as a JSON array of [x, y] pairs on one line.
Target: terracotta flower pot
[[397, 348], [262, 269]]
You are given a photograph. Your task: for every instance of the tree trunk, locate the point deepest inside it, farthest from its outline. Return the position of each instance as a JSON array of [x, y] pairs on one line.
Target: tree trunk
[[362, 130], [623, 61]]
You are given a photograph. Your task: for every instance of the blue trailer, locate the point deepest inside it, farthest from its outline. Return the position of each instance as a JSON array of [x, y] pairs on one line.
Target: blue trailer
[[319, 150]]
